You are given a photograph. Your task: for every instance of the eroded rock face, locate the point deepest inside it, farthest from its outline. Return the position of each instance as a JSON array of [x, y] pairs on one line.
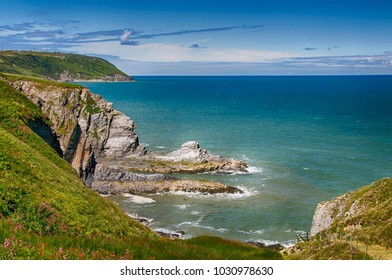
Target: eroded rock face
[[326, 213], [101, 144], [86, 125], [190, 151]]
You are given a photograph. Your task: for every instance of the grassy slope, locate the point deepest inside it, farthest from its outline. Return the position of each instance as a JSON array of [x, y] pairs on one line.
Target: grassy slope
[[46, 212], [51, 65], [350, 237]]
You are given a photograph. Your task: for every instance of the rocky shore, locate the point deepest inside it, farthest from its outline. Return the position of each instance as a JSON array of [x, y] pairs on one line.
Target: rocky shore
[[102, 145]]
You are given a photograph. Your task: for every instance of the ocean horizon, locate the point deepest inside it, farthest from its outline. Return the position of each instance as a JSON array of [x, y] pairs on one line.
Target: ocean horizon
[[306, 139]]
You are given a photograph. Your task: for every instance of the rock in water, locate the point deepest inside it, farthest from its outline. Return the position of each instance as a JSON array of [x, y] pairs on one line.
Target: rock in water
[[101, 144], [190, 151]]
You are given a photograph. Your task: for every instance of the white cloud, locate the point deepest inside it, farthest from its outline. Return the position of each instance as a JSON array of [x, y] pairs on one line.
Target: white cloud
[[125, 36], [156, 52]]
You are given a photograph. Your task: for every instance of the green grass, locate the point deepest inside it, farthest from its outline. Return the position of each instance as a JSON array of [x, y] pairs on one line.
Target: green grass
[[373, 224], [46, 212], [328, 250], [350, 236], [51, 65]]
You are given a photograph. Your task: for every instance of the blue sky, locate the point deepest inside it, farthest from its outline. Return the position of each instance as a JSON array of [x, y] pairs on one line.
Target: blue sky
[[145, 37]]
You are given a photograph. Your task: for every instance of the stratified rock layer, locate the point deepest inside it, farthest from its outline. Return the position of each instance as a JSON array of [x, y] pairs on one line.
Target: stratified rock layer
[[86, 126], [102, 145]]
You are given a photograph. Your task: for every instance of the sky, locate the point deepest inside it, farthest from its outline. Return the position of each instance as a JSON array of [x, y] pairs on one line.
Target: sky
[[149, 37]]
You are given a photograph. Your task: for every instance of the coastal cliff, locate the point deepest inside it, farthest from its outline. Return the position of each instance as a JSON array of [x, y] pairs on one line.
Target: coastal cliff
[[85, 125], [355, 225], [60, 66], [101, 144], [47, 212], [365, 214]]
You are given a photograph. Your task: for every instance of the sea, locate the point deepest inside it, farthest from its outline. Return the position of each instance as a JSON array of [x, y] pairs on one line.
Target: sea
[[306, 139]]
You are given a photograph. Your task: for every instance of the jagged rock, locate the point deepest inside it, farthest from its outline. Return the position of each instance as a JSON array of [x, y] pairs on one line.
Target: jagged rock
[[122, 140], [88, 129], [105, 172], [275, 247], [144, 221], [169, 234], [190, 151], [101, 144], [326, 212], [190, 158], [152, 186]]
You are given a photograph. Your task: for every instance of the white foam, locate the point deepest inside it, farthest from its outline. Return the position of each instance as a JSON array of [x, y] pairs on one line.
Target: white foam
[[197, 224], [244, 157], [254, 169], [295, 231], [138, 199], [186, 224], [285, 244], [258, 231], [136, 216], [182, 206], [160, 147]]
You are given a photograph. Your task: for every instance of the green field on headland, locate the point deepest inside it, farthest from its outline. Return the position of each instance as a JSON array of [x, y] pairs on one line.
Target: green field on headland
[[59, 66]]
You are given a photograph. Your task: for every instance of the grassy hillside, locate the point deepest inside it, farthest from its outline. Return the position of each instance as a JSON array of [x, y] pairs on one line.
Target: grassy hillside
[[46, 212], [364, 225], [56, 66]]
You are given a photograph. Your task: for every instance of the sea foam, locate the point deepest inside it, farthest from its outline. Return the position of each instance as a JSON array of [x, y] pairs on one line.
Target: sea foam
[[138, 199]]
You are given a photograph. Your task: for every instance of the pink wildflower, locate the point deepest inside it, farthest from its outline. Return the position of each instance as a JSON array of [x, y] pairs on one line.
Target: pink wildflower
[[7, 243]]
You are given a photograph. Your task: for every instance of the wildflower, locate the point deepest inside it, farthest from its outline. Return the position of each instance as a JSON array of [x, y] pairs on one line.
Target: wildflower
[[7, 243]]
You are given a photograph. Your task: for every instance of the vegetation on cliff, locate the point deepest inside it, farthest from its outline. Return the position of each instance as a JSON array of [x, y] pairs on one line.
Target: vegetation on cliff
[[46, 212], [59, 66], [361, 226]]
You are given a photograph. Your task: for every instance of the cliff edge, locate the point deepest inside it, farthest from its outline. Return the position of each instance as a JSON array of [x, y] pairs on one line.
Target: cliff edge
[[101, 143], [355, 225], [365, 214]]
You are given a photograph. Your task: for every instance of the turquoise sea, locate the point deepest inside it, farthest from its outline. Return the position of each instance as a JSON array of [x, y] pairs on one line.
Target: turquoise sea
[[306, 140]]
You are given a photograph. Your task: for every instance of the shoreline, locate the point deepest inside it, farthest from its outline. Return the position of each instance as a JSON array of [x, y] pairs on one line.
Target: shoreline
[[182, 234]]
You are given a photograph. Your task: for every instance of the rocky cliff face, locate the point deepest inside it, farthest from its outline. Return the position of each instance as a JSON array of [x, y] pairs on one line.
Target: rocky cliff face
[[65, 76], [365, 214], [85, 125], [326, 213], [102, 146]]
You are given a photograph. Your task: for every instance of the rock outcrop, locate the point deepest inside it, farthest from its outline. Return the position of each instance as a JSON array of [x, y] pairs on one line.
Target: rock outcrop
[[365, 214], [190, 159], [86, 126], [193, 159], [326, 212], [102, 145], [66, 76], [190, 151]]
